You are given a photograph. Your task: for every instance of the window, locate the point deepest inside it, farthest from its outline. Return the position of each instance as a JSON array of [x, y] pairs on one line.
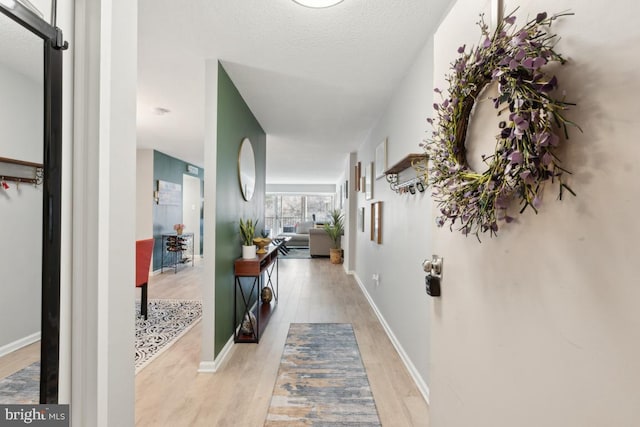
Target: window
[[319, 207], [284, 211]]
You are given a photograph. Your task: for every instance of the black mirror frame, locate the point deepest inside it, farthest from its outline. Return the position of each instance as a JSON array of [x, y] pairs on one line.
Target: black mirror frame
[[52, 191]]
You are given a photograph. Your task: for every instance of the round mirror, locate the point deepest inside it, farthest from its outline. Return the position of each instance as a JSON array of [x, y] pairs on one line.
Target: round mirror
[[247, 169]]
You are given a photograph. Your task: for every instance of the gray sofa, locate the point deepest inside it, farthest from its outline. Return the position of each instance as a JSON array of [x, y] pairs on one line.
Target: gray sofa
[[300, 236]]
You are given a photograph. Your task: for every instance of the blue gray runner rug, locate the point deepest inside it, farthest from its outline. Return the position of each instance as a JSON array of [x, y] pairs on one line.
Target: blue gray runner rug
[[22, 387], [321, 380]]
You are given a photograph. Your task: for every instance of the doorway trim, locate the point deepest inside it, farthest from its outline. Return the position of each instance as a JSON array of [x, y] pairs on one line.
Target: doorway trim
[[192, 201]]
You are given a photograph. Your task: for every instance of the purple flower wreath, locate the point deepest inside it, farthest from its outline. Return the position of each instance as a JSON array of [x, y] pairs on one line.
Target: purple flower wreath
[[523, 160]]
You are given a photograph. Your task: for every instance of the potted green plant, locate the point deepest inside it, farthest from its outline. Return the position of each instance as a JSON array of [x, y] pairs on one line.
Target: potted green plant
[[335, 229], [247, 232]]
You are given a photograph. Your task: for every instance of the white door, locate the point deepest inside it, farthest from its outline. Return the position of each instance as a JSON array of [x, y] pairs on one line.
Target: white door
[[191, 202]]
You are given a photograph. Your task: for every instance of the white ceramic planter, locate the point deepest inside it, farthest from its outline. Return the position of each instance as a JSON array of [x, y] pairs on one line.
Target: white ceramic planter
[[248, 252]]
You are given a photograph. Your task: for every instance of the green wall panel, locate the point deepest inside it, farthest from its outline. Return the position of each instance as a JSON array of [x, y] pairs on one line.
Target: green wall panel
[[235, 122], [170, 169]]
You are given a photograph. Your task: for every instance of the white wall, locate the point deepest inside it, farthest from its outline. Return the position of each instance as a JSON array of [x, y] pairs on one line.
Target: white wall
[[21, 138], [144, 194], [348, 241], [406, 219], [540, 326], [44, 7]]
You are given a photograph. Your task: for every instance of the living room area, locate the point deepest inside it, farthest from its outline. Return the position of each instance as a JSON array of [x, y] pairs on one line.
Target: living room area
[[299, 219]]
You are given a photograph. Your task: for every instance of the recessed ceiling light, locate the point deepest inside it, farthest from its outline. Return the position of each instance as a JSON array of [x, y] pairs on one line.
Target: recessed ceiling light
[[161, 111], [318, 4]]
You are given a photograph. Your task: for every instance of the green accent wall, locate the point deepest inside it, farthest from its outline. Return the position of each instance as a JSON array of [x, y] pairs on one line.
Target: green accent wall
[[170, 169], [235, 122]]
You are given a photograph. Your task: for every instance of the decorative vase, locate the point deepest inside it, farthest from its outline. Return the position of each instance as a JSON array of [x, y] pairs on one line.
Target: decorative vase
[[266, 295], [248, 324], [261, 242], [335, 255], [179, 231], [248, 252]]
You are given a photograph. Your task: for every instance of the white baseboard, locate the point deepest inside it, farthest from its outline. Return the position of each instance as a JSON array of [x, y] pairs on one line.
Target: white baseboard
[[207, 367], [212, 367], [223, 356], [18, 344], [415, 375]]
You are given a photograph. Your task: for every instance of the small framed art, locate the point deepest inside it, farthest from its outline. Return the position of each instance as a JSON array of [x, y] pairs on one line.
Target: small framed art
[[381, 159], [376, 222], [368, 186]]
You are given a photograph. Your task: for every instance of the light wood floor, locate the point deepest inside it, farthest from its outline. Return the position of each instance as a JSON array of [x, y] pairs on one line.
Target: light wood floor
[[170, 391], [19, 359]]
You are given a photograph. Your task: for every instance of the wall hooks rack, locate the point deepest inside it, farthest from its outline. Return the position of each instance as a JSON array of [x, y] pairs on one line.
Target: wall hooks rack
[[21, 171], [406, 182]]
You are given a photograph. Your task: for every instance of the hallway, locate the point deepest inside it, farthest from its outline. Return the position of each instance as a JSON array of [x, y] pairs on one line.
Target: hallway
[[170, 391]]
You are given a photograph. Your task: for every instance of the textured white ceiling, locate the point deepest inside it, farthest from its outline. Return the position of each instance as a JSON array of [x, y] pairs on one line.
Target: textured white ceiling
[[316, 79]]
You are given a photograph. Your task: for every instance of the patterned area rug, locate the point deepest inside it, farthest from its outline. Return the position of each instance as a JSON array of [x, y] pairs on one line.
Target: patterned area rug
[[22, 387], [321, 380], [168, 320]]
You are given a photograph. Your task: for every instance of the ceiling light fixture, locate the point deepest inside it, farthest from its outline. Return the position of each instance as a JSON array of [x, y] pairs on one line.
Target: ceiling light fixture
[[318, 4], [160, 111]]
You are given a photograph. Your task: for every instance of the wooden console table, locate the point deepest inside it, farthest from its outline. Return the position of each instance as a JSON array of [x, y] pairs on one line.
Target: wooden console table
[[261, 270]]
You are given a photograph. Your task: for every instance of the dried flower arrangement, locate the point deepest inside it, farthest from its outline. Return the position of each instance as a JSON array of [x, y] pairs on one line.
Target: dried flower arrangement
[[524, 157]]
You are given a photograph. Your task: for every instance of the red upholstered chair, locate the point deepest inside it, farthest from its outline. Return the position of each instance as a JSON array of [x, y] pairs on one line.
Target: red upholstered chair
[[144, 249]]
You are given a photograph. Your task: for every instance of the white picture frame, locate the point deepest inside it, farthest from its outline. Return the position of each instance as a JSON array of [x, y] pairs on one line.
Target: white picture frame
[[381, 159], [368, 185]]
